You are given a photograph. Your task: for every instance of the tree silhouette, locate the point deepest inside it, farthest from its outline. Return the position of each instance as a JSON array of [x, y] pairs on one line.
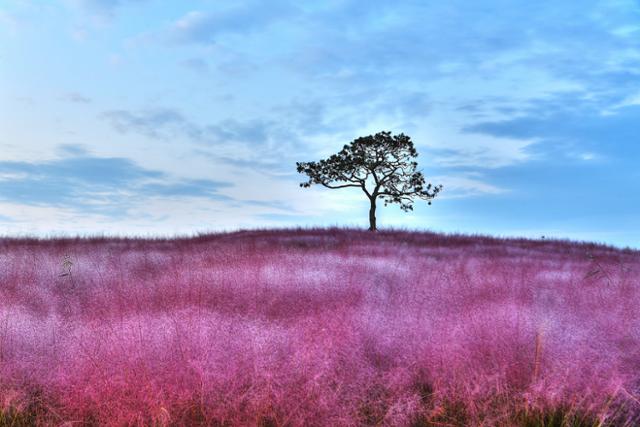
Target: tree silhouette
[[382, 165]]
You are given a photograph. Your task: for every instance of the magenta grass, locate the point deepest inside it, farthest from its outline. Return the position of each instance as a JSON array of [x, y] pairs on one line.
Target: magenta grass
[[318, 327]]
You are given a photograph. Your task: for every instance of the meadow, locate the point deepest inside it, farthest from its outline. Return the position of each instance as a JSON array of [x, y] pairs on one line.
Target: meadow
[[318, 327]]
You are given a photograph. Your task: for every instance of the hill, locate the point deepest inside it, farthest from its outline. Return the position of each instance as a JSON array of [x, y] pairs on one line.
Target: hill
[[318, 327]]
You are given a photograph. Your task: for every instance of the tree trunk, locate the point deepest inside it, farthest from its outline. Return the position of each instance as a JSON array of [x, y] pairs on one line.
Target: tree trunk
[[372, 215]]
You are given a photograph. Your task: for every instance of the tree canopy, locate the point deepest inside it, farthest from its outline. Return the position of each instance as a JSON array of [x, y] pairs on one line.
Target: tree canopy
[[383, 166]]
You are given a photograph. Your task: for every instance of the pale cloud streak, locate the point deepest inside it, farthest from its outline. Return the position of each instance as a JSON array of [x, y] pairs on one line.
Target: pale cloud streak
[[206, 27]]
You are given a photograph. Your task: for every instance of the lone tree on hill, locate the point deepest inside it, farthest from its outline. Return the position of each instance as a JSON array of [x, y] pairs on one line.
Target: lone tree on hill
[[382, 165]]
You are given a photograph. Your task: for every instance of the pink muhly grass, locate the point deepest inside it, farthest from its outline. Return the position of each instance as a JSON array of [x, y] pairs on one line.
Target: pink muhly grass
[[318, 327]]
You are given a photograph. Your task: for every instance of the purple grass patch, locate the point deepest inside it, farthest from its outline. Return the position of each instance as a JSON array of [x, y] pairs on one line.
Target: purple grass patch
[[325, 327]]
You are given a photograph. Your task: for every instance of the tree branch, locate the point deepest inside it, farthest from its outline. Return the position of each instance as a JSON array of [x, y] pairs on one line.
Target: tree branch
[[333, 187]]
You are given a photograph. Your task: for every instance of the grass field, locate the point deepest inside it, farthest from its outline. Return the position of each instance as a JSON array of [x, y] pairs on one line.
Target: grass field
[[324, 327]]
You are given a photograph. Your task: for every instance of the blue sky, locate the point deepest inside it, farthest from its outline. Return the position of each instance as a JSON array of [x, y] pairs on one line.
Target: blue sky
[[153, 117]]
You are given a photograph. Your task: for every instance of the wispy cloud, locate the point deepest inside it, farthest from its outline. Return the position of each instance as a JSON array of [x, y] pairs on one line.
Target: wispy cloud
[[96, 184], [76, 98], [198, 65], [250, 140], [466, 185], [156, 123], [167, 123], [205, 27], [572, 131], [102, 8]]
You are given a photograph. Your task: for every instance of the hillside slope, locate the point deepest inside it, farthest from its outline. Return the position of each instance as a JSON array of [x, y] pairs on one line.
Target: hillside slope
[[318, 327]]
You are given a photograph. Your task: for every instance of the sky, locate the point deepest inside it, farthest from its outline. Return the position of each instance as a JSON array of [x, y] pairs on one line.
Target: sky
[[148, 117]]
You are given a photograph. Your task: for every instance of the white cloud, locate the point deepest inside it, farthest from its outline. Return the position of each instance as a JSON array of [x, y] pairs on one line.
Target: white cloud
[[205, 27], [461, 186]]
